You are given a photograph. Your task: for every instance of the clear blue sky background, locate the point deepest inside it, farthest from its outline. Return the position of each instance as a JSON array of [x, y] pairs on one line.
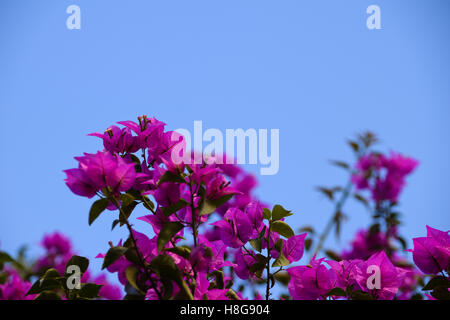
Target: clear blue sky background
[[310, 68]]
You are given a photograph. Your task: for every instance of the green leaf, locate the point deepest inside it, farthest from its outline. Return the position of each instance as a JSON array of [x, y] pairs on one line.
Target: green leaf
[[353, 145], [267, 214], [165, 268], [441, 293], [44, 285], [170, 177], [114, 224], [258, 268], [368, 138], [278, 213], [338, 218], [232, 295], [126, 199], [308, 243], [135, 159], [332, 255], [134, 297], [132, 256], [281, 261], [148, 204], [48, 295], [90, 290], [167, 232], [308, 229], [174, 207], [4, 257], [256, 244], [327, 192], [361, 199], [181, 251], [132, 273], [361, 295], [282, 228], [279, 245], [209, 206], [374, 229], [127, 210], [437, 282], [168, 288], [219, 279], [97, 208], [81, 262], [402, 242], [112, 255], [337, 292], [282, 277], [416, 296], [52, 274], [340, 164]]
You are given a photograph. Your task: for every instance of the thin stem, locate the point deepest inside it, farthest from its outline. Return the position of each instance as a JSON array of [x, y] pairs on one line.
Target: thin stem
[[268, 264], [138, 253], [334, 217], [279, 270], [193, 217]]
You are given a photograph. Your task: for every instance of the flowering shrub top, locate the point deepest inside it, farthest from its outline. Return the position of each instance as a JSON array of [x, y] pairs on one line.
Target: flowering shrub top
[[211, 235]]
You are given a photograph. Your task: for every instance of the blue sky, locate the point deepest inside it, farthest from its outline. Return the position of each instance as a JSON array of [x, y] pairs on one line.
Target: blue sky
[[309, 68]]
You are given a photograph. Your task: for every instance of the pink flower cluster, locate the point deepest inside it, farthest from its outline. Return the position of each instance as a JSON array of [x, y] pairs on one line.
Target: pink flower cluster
[[117, 170], [316, 281], [58, 251], [384, 176], [15, 288]]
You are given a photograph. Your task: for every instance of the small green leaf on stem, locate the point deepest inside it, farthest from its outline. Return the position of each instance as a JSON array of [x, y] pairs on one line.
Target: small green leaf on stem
[[282, 228], [97, 208], [112, 255], [167, 232], [278, 213]]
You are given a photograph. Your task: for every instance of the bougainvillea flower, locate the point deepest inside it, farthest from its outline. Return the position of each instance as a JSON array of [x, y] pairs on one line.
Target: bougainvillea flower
[[235, 228], [167, 194], [311, 282], [79, 183], [244, 260], [241, 181], [157, 220], [108, 291], [219, 187], [201, 258], [14, 288], [148, 131], [293, 247], [346, 272], [174, 152], [431, 254], [202, 291], [391, 277], [98, 171], [218, 250], [203, 174], [254, 211], [58, 251], [56, 243], [117, 140]]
